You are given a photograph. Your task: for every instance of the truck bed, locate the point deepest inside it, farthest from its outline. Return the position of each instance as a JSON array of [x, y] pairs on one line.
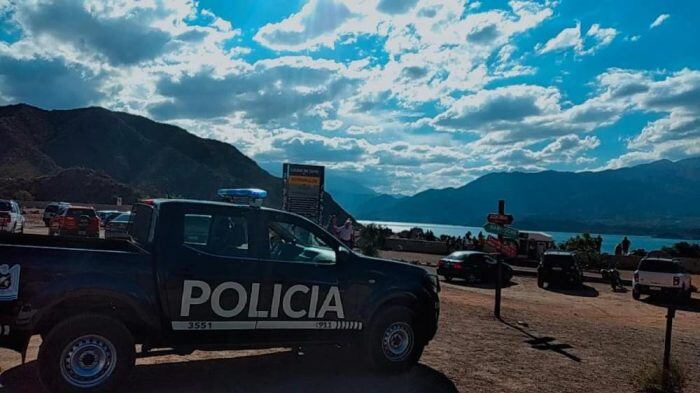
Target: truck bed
[[87, 244]]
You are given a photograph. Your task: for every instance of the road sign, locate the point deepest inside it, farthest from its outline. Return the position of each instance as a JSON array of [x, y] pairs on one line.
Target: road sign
[[506, 248], [499, 218], [303, 190], [502, 230]]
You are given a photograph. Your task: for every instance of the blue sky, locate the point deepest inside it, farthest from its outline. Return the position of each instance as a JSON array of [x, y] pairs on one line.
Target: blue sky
[[399, 95]]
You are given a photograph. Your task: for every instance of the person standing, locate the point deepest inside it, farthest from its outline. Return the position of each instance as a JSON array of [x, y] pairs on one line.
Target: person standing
[[346, 233], [625, 245], [333, 226]]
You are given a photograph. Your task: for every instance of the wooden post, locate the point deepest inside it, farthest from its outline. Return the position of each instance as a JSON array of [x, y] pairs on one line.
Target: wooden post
[[667, 344]]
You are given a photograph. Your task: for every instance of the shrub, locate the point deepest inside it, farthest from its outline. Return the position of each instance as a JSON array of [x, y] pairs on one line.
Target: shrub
[[650, 379], [372, 239]]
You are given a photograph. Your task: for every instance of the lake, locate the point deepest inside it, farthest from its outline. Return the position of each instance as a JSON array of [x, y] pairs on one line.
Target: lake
[[609, 240]]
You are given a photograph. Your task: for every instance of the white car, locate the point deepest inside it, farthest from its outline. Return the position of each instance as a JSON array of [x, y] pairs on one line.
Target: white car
[[11, 218], [657, 275]]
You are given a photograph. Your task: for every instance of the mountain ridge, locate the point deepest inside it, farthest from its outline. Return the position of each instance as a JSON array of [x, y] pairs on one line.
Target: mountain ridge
[[648, 198], [154, 159]]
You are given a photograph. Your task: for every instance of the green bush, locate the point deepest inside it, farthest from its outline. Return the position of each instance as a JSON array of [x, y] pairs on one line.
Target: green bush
[[650, 379], [372, 238]]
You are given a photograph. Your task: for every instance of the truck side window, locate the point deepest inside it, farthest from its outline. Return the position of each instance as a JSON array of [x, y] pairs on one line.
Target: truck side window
[[293, 243], [220, 235]]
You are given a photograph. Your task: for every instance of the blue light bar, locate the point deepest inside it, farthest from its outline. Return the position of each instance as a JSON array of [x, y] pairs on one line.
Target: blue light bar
[[250, 196]]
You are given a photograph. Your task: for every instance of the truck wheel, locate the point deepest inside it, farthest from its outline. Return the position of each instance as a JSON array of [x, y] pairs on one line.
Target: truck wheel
[[86, 353], [635, 293], [540, 281], [392, 343]]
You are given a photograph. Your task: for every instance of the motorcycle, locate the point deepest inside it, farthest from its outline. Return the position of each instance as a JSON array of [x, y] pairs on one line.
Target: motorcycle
[[613, 275]]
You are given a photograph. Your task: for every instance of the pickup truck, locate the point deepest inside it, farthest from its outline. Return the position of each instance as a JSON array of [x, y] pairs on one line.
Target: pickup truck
[[202, 275], [656, 275]]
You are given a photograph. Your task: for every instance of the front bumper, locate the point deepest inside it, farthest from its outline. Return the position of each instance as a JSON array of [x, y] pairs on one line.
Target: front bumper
[[657, 290]]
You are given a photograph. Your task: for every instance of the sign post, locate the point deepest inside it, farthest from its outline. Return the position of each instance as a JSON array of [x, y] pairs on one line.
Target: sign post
[[496, 223], [303, 190]]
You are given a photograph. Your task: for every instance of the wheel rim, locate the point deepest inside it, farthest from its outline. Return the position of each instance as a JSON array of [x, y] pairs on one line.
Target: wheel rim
[[88, 361], [397, 342]]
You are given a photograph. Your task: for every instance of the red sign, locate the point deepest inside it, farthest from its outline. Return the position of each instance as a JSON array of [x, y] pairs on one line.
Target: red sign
[[501, 219], [508, 249]]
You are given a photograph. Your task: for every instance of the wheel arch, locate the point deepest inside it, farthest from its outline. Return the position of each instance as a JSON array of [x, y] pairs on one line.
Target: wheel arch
[[416, 303], [102, 302]]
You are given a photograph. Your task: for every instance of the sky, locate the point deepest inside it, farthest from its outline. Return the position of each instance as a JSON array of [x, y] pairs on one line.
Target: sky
[[397, 95]]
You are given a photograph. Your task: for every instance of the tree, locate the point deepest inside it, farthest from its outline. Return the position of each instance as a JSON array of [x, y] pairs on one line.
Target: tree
[[586, 246], [584, 242], [683, 250]]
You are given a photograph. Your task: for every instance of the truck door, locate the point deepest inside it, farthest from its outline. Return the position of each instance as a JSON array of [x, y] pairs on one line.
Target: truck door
[[298, 262], [209, 268]]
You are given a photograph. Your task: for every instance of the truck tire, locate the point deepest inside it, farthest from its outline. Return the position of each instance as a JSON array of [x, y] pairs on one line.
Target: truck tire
[[635, 293], [540, 281], [392, 345], [86, 353]]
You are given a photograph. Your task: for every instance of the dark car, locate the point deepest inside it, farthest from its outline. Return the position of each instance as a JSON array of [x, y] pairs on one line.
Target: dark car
[[106, 216], [560, 268], [201, 275], [473, 266], [118, 228], [51, 210]]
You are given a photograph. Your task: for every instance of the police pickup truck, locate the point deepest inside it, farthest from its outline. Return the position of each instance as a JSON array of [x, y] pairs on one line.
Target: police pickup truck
[[202, 275]]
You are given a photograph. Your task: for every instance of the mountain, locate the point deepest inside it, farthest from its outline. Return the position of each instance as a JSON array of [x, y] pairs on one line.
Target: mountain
[[67, 154], [348, 192], [660, 197]]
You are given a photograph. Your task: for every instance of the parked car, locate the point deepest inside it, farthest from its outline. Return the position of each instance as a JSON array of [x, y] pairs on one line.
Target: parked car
[[473, 266], [118, 228], [51, 210], [254, 278], [560, 268], [11, 218], [106, 216], [656, 275], [75, 221]]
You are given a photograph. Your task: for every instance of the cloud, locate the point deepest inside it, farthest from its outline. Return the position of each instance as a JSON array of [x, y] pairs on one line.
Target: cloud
[[49, 83], [269, 90], [395, 6], [567, 38], [313, 26], [498, 108], [676, 96], [571, 38], [659, 20]]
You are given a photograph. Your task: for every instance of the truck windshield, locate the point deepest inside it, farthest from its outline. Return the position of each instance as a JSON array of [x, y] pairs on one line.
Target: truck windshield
[[660, 266]]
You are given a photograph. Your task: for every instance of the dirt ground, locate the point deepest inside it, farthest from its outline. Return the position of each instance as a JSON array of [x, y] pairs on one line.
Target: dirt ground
[[592, 340]]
